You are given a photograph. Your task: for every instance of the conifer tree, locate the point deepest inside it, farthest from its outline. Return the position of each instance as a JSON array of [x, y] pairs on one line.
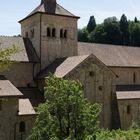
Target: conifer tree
[[91, 24]]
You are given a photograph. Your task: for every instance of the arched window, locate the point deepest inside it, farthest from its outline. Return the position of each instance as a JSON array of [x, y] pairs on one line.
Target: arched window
[[128, 109], [22, 127], [134, 77], [53, 32], [48, 32], [65, 34], [61, 33]]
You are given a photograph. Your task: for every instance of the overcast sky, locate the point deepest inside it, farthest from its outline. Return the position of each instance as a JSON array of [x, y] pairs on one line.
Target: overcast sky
[[11, 11]]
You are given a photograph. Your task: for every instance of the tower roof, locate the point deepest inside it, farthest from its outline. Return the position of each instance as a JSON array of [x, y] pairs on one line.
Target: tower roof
[[50, 7]]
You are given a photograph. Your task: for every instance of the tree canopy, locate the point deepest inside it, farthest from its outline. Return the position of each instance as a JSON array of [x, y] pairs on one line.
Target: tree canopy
[[111, 31], [66, 114]]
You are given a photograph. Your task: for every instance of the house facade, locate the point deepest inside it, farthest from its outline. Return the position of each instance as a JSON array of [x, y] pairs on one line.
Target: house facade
[[49, 45]]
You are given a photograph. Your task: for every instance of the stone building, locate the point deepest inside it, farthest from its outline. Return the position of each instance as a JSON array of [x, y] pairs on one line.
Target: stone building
[[49, 44]]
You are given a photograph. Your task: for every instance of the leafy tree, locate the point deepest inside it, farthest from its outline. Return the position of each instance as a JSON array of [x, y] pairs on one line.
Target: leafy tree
[[91, 24], [112, 30], [66, 114], [5, 55], [83, 35], [98, 35], [124, 29]]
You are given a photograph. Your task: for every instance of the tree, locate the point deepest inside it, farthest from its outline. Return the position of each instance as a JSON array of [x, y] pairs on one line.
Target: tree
[[112, 30], [66, 114], [91, 24], [5, 55], [135, 20], [98, 35], [124, 29], [83, 35]]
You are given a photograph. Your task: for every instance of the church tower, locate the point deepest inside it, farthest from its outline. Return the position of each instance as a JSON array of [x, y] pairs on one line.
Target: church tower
[[52, 31]]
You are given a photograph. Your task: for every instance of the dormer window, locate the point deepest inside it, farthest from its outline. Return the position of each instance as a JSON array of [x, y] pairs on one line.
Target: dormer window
[[53, 32], [48, 32]]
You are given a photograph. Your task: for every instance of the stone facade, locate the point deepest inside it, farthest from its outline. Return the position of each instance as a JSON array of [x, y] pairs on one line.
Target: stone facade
[[129, 110], [99, 87], [47, 38], [20, 74], [10, 121], [127, 76]]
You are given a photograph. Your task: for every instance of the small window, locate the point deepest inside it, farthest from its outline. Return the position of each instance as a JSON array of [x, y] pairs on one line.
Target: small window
[[91, 73], [128, 109], [32, 33], [53, 32], [65, 34], [0, 105], [100, 88], [26, 34], [61, 33], [48, 32], [22, 127], [134, 77]]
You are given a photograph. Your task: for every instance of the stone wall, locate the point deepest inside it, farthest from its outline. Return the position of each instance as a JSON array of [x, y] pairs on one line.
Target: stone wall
[[129, 111], [52, 47], [127, 76], [99, 87], [8, 113], [10, 121], [20, 74]]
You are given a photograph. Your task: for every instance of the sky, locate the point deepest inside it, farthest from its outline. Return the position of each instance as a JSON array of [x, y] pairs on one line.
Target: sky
[[11, 11]]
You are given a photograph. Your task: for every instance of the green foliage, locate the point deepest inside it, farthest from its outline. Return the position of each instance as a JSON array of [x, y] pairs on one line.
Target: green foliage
[[5, 55], [132, 134], [111, 31], [91, 24], [66, 114], [98, 35], [83, 35]]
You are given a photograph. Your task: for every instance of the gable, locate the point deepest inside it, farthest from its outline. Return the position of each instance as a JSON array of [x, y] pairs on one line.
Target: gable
[[62, 67]]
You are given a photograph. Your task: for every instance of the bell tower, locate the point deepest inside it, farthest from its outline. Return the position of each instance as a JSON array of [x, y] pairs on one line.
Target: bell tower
[[52, 30]]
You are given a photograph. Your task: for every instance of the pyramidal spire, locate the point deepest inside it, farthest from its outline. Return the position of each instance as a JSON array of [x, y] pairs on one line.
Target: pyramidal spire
[[49, 5]]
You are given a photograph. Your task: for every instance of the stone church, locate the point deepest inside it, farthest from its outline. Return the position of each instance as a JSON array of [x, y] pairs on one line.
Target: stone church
[[110, 74]]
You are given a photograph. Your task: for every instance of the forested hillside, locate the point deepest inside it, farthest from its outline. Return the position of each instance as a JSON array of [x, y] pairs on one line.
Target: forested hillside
[[111, 31]]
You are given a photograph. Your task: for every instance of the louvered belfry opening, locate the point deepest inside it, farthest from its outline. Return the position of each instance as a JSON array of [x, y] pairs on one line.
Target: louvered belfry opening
[[49, 5]]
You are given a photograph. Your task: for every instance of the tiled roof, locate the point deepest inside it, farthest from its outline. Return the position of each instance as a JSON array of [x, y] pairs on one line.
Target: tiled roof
[[128, 95], [33, 94], [112, 55], [27, 53], [62, 66], [43, 8], [25, 107], [7, 89]]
